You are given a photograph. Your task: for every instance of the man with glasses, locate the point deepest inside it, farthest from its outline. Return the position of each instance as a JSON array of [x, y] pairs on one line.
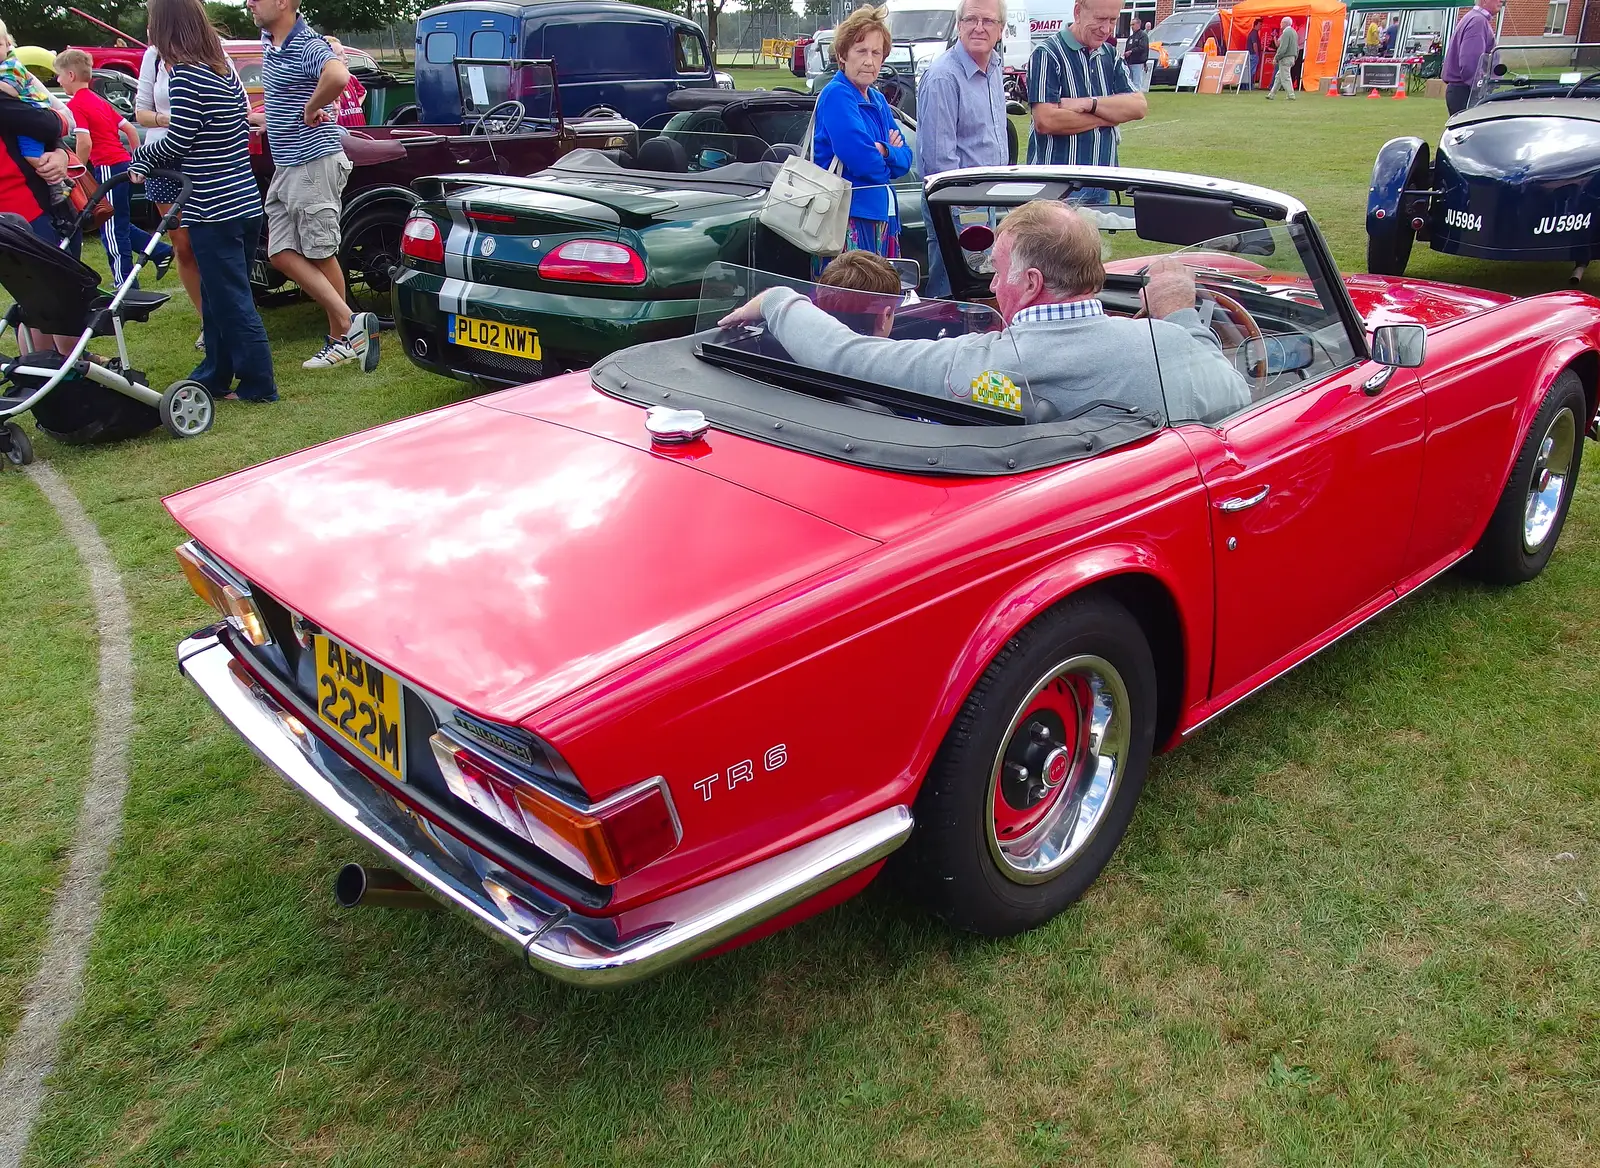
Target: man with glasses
[[1080, 92], [961, 111]]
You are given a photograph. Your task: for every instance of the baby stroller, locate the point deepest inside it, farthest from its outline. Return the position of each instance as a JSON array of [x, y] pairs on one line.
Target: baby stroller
[[73, 398]]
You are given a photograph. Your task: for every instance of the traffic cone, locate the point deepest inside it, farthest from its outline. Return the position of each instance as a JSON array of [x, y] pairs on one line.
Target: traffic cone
[[1400, 90], [1373, 94], [1333, 89]]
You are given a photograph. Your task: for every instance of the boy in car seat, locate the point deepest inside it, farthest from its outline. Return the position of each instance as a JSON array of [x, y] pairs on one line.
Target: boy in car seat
[[860, 272]]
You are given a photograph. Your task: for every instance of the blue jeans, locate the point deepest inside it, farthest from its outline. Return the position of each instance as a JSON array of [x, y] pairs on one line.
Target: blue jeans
[[938, 282], [236, 340], [118, 234], [1137, 74]]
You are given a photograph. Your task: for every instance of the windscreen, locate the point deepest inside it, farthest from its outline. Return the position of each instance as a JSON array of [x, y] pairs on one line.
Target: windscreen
[[486, 83], [1242, 316], [694, 142], [921, 24], [1178, 29], [858, 339]]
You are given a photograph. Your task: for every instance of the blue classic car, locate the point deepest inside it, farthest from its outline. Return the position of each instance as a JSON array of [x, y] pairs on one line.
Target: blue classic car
[[616, 58], [1516, 177]]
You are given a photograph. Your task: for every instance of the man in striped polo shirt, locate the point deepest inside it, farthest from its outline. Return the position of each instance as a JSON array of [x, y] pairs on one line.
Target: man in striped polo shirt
[[302, 79], [1081, 92]]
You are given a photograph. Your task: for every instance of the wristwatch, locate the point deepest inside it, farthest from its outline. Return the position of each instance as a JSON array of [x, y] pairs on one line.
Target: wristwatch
[[1094, 104]]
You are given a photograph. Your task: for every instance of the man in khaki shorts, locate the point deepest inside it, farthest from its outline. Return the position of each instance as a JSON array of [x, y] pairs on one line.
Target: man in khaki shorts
[[302, 78]]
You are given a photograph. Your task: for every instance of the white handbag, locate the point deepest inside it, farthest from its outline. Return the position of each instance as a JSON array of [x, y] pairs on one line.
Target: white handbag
[[809, 206]]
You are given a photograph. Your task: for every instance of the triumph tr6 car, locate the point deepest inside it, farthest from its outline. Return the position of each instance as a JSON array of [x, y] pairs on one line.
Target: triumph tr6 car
[[1517, 177], [502, 280], [641, 662]]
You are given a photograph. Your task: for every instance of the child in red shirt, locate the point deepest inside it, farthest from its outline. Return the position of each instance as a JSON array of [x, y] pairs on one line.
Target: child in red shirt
[[111, 138]]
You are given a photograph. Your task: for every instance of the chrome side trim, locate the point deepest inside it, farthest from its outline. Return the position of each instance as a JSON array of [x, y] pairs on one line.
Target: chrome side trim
[[566, 945], [1373, 615]]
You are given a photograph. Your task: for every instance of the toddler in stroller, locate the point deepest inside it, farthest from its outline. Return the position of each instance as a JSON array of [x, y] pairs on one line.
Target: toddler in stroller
[[74, 396]]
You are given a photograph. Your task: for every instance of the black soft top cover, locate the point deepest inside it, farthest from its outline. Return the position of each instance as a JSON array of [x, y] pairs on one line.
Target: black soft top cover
[[668, 373]]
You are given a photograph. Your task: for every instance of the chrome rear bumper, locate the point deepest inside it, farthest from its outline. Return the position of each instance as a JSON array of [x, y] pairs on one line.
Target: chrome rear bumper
[[569, 946]]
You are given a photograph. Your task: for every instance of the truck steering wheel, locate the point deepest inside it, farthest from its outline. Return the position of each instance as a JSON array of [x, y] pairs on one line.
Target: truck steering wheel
[[505, 118]]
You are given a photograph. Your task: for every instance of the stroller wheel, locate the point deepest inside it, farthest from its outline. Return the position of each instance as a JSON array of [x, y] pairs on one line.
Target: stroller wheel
[[19, 449], [186, 409]]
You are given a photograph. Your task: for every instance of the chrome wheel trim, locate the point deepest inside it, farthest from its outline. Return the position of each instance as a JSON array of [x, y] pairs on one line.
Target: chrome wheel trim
[[1552, 470], [190, 409], [1100, 752]]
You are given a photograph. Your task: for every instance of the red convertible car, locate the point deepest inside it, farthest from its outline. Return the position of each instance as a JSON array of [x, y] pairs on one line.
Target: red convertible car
[[642, 662]]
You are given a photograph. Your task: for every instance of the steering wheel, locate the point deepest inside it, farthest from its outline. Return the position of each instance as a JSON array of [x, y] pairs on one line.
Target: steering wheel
[[1582, 81], [1239, 329], [505, 118], [1234, 329]]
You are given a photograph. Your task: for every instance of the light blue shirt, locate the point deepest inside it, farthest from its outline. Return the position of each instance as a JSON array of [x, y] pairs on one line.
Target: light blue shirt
[[961, 113]]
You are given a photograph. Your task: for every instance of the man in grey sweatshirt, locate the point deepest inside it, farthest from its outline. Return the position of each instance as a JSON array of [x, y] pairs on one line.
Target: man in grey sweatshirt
[[1058, 340]]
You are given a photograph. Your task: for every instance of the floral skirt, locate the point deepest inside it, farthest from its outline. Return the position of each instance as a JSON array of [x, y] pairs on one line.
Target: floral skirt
[[879, 236]]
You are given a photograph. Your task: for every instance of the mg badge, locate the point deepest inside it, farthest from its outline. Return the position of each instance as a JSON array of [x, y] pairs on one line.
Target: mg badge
[[488, 245]]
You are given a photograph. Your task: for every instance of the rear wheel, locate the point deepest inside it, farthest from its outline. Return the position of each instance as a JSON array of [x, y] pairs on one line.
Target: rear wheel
[[19, 447], [1389, 244], [370, 253], [186, 409], [1034, 785], [1527, 521]]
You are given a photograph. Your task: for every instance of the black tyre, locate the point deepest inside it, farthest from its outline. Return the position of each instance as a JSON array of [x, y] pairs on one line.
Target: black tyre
[[370, 252], [1526, 523], [19, 448], [1034, 785], [1389, 245], [1013, 147]]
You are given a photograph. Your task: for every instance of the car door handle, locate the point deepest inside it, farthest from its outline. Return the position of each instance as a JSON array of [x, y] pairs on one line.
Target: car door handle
[[1243, 502]]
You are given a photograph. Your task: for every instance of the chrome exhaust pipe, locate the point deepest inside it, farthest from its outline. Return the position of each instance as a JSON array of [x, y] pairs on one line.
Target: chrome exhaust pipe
[[377, 888]]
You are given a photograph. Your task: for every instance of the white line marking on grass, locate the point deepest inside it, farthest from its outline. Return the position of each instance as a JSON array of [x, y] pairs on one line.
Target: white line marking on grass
[[52, 997]]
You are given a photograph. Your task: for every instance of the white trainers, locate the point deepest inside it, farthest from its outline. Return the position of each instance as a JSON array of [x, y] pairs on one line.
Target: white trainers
[[363, 339], [333, 352]]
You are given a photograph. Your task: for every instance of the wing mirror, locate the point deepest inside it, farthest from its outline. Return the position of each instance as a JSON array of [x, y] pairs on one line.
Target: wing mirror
[[910, 273], [976, 237], [1399, 346]]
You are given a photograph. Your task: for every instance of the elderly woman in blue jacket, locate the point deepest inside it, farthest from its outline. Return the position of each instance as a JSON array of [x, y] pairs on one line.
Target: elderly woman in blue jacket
[[856, 126]]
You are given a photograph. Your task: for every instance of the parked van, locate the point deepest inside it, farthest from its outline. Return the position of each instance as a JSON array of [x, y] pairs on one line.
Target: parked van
[[1185, 31], [928, 27], [609, 56]]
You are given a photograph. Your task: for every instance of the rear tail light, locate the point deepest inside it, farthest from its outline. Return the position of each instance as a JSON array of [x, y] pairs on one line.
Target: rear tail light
[[593, 261], [605, 841], [422, 240], [490, 217], [231, 599]]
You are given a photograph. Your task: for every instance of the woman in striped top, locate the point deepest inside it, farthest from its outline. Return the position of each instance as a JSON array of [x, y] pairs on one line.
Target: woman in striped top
[[209, 141]]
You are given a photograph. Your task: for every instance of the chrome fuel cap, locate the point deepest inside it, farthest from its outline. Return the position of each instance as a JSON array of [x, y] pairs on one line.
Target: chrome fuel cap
[[670, 427]]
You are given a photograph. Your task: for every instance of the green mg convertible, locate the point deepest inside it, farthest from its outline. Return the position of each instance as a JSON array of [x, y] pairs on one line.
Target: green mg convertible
[[504, 280]]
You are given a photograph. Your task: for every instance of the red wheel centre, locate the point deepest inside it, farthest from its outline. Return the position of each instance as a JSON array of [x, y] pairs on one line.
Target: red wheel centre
[[1037, 767]]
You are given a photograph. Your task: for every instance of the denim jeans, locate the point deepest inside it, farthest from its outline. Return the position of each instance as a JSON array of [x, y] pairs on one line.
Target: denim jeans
[[120, 237], [937, 284], [236, 340], [1136, 74]]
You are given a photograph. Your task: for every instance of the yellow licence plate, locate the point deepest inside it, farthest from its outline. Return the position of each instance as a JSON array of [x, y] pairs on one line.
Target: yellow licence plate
[[361, 703], [513, 340]]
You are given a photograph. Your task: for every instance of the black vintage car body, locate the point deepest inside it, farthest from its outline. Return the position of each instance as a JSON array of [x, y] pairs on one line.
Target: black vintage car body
[[1516, 177]]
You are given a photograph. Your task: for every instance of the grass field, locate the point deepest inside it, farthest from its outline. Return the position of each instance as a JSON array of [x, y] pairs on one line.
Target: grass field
[[1354, 921]]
